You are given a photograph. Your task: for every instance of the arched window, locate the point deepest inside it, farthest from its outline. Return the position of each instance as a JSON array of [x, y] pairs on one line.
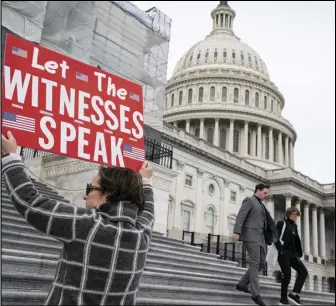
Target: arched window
[[222, 138], [206, 53], [247, 97], [224, 94], [200, 94], [265, 102], [180, 97], [242, 56], [236, 141], [267, 148], [233, 54], [275, 150], [172, 100], [215, 53], [249, 143], [197, 132], [256, 99], [236, 95], [199, 55], [210, 220], [224, 53], [190, 93], [210, 135], [212, 93], [256, 144]]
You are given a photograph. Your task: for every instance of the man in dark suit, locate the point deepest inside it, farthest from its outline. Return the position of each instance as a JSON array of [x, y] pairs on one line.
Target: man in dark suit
[[256, 228]]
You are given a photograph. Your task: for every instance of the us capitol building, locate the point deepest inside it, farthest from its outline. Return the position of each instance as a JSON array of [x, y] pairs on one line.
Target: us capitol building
[[223, 116]]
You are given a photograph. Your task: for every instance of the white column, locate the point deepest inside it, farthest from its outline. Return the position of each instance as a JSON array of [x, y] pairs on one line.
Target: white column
[[298, 220], [246, 124], [315, 236], [231, 135], [188, 125], [175, 123], [322, 235], [216, 135], [306, 230], [280, 148], [286, 152], [270, 139], [288, 200], [202, 128], [259, 153], [254, 149], [291, 154], [270, 205]]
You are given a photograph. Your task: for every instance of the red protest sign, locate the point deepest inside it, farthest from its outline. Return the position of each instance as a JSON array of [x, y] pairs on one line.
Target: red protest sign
[[57, 104]]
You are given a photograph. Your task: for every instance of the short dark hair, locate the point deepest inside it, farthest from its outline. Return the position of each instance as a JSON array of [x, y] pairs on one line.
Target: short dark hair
[[260, 187], [121, 184], [291, 210]]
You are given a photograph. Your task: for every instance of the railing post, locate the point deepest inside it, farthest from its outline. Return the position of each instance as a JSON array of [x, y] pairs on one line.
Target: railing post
[[225, 250], [209, 243], [192, 238], [21, 151], [217, 246]]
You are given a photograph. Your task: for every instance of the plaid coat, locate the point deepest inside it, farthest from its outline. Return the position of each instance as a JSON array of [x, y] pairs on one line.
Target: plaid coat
[[105, 249]]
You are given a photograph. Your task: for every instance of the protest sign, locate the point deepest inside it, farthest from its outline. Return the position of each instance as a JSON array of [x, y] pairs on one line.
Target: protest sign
[[57, 104]]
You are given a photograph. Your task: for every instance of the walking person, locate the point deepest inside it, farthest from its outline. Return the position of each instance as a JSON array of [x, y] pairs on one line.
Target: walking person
[[290, 252], [256, 228], [105, 245]]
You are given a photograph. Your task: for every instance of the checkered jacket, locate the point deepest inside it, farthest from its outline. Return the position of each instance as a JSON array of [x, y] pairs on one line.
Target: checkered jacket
[[105, 249]]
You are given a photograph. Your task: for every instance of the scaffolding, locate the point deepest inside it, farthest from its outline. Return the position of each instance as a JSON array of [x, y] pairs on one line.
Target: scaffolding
[[116, 35]]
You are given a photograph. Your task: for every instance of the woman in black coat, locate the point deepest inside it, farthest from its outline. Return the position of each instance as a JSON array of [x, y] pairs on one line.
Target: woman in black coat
[[290, 252]]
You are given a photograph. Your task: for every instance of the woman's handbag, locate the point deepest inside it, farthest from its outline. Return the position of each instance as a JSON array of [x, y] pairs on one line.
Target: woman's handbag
[[272, 252]]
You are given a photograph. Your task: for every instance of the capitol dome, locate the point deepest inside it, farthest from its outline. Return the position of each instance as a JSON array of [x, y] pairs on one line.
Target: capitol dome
[[222, 47], [221, 92]]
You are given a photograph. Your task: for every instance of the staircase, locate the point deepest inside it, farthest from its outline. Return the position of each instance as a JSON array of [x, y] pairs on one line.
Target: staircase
[[175, 274]]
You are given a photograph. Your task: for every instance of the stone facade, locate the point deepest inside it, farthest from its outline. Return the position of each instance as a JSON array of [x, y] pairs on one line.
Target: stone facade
[[224, 119]]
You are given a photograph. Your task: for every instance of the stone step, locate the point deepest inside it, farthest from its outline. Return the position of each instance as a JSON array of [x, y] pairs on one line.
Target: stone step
[[40, 188], [149, 291], [151, 301], [162, 276], [155, 254], [26, 228], [5, 198], [28, 246], [44, 243], [14, 260], [12, 220], [37, 184], [12, 297]]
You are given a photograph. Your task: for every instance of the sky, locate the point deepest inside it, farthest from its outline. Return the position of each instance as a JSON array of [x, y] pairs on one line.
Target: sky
[[296, 40]]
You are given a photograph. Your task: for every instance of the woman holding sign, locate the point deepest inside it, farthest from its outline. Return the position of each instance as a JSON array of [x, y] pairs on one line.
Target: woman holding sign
[[105, 244]]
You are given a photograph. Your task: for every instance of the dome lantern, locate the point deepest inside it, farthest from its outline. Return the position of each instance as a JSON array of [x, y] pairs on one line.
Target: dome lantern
[[223, 16]]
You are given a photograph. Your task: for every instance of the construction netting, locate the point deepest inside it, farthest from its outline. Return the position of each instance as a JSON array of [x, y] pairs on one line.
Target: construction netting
[[116, 35]]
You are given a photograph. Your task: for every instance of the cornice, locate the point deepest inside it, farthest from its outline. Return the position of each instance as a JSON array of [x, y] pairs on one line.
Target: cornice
[[168, 117]]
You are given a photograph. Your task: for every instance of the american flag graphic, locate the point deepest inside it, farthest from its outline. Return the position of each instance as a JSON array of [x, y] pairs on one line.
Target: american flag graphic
[[81, 76], [18, 122], [134, 153], [19, 52], [134, 97]]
